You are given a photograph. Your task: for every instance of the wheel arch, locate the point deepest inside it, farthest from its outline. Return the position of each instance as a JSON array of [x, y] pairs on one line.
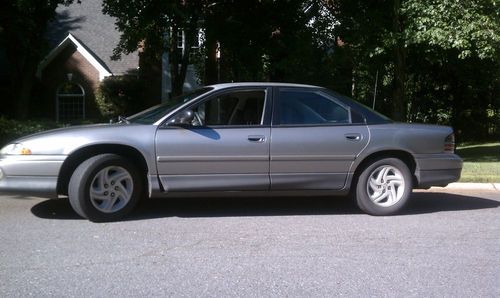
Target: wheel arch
[[402, 155], [80, 155]]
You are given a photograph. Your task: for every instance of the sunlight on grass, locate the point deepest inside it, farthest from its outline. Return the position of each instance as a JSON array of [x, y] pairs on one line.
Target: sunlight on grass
[[480, 153], [481, 162], [481, 172]]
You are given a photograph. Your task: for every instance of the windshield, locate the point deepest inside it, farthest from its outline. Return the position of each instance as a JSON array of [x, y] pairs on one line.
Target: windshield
[[155, 113]]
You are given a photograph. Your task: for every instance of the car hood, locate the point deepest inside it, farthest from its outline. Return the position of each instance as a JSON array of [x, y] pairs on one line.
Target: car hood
[[65, 140]]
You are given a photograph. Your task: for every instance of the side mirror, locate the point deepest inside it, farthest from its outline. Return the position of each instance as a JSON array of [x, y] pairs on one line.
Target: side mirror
[[183, 118]]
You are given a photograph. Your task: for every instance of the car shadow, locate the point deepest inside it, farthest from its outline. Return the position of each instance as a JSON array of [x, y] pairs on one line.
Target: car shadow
[[430, 202], [421, 203]]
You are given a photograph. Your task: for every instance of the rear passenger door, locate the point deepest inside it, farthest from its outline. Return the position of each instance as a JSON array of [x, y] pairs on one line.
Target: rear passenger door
[[315, 139]]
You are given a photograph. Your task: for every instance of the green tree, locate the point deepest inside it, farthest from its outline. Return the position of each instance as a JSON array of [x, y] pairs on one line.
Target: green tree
[[156, 26], [457, 42], [384, 33], [23, 24], [259, 40], [269, 40]]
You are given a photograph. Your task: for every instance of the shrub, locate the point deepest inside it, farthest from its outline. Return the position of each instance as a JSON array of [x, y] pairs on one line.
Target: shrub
[[120, 95], [13, 129]]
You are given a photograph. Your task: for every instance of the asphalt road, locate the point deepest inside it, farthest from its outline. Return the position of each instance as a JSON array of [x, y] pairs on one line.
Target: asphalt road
[[445, 244]]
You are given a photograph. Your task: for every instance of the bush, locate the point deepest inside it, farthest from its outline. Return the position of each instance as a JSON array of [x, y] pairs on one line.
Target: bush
[[121, 95], [13, 129]]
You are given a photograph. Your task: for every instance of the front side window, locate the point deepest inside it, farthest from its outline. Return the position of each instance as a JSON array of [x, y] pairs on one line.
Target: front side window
[[298, 107], [155, 113], [235, 108]]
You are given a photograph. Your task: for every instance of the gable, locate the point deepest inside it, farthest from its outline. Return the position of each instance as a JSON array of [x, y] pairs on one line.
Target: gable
[[81, 49]]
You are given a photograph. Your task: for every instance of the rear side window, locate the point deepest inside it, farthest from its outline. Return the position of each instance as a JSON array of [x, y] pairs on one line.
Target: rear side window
[[299, 107]]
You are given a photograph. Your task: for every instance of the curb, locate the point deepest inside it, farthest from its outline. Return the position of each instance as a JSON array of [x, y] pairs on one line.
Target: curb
[[474, 186]]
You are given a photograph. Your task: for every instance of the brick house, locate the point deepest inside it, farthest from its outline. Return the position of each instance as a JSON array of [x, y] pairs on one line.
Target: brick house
[[82, 40]]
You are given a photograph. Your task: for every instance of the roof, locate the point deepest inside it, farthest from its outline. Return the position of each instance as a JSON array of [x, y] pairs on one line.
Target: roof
[[260, 84], [95, 31], [92, 59]]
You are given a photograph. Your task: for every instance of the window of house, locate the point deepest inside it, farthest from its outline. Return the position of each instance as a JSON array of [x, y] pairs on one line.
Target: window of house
[[235, 108], [180, 39], [309, 107], [70, 102], [195, 42]]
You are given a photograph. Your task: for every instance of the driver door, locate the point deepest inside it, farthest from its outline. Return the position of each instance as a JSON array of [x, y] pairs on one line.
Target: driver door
[[224, 148]]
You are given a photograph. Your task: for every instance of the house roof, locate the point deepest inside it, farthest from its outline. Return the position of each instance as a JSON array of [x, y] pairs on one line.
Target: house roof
[[86, 53], [95, 32]]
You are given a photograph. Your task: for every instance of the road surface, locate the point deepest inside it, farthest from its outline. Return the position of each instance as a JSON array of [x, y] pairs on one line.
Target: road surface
[[447, 243]]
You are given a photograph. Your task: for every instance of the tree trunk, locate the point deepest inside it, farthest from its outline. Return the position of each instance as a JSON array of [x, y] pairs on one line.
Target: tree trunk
[[22, 76], [211, 74], [180, 58], [399, 104]]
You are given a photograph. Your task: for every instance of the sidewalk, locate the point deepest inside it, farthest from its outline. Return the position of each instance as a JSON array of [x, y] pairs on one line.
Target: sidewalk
[[474, 186]]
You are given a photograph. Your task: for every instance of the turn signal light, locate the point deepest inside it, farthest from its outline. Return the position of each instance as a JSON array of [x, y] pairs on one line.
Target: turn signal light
[[25, 151]]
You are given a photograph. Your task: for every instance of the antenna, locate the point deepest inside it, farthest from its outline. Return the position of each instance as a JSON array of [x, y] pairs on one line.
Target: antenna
[[375, 90]]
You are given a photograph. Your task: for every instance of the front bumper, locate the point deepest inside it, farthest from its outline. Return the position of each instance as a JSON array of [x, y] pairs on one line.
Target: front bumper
[[437, 169], [30, 175], [38, 186]]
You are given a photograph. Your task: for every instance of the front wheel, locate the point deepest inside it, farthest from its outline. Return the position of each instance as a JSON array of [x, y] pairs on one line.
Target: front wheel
[[105, 187], [384, 187]]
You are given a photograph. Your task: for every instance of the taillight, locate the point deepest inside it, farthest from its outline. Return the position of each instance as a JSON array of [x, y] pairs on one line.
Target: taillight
[[449, 144]]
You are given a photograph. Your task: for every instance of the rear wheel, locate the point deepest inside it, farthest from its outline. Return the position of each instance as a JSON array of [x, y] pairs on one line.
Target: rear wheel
[[384, 187], [105, 187]]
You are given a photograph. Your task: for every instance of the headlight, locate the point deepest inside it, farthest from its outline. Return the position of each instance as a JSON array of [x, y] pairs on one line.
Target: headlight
[[15, 149]]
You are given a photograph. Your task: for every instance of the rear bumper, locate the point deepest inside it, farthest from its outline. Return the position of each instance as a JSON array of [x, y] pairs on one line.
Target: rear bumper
[[437, 169]]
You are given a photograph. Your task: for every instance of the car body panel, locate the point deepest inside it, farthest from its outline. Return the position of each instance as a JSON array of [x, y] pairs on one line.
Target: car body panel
[[250, 160], [213, 158], [321, 160], [50, 150], [424, 143]]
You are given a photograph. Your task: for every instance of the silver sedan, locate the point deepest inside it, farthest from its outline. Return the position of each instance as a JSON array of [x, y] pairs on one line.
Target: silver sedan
[[237, 139]]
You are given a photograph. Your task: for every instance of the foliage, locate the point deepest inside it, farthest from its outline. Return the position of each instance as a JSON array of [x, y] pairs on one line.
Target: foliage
[[22, 27], [279, 44], [155, 26], [437, 61], [13, 129], [470, 27], [120, 96]]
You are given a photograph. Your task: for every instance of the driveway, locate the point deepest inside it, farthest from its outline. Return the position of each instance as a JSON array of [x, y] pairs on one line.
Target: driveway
[[447, 243]]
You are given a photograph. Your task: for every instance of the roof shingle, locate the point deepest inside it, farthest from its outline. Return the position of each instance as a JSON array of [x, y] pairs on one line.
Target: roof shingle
[[95, 30]]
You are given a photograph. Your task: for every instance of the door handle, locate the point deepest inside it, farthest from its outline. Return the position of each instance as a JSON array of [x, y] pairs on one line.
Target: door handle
[[353, 136], [256, 139]]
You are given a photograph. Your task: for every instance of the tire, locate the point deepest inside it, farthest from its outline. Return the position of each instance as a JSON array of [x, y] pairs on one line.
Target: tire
[[105, 187], [384, 187]]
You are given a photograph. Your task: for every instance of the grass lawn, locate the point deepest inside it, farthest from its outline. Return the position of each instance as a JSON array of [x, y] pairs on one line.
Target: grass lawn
[[481, 162]]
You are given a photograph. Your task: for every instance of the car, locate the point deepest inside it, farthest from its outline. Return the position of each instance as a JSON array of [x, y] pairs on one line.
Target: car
[[235, 139]]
